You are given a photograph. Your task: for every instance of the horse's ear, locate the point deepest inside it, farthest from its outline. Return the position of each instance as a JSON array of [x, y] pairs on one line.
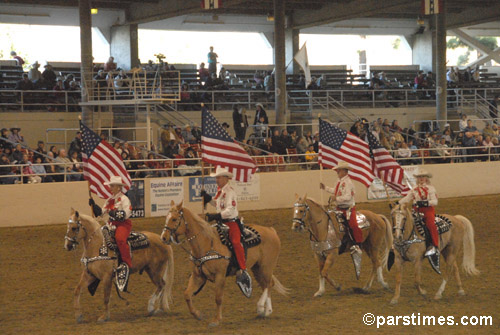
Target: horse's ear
[[172, 203], [305, 196], [297, 197], [72, 211], [179, 206]]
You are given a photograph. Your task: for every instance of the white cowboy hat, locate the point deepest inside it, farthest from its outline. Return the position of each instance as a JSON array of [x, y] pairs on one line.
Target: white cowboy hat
[[115, 180], [342, 165], [221, 172], [423, 173], [259, 104]]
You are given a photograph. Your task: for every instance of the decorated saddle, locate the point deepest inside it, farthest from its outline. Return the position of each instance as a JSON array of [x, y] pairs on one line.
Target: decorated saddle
[[363, 223], [249, 239], [135, 240], [443, 224]]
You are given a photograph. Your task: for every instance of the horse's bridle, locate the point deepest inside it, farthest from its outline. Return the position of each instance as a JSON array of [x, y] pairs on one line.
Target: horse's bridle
[[300, 221], [402, 229], [173, 231], [78, 226]]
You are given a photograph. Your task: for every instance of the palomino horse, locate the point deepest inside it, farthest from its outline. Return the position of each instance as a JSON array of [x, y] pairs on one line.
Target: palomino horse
[[157, 260], [376, 240], [211, 259], [410, 246]]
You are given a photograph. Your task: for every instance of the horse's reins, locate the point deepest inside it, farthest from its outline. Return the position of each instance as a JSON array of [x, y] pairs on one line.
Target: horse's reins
[[173, 231], [404, 245]]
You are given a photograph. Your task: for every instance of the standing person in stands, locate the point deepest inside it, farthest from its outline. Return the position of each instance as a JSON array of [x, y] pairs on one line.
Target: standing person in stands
[[240, 122], [19, 60], [260, 112], [203, 73], [35, 75], [212, 61], [110, 65], [76, 144], [49, 77]]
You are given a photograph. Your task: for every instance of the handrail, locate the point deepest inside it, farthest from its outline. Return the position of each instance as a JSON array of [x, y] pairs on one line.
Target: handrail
[[419, 156]]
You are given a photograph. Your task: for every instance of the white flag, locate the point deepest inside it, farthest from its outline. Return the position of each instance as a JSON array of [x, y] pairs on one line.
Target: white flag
[[301, 58]]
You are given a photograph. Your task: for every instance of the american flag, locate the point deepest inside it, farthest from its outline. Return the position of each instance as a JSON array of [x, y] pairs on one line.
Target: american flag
[[100, 162], [386, 167], [220, 149], [337, 145]]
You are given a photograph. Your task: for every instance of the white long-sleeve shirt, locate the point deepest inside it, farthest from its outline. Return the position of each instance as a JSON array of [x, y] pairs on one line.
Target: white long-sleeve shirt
[[343, 191], [119, 202], [225, 202], [422, 193]]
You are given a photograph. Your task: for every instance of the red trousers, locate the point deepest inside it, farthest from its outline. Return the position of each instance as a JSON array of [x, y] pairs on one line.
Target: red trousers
[[121, 235], [353, 224], [235, 237], [429, 218]]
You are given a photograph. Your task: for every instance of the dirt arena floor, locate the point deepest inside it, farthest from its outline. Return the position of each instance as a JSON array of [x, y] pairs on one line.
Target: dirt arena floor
[[37, 278]]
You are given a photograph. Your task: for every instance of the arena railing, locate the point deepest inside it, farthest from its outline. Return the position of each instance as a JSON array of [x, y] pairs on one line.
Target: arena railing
[[267, 163], [215, 100], [106, 130]]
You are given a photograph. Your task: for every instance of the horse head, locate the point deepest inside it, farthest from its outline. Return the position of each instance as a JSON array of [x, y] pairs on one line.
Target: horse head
[[73, 231], [399, 218], [300, 209], [173, 227]]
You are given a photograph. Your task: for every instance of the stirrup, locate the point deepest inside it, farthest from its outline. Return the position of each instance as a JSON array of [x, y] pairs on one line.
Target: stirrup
[[356, 259], [434, 262], [431, 251], [244, 282], [122, 273]]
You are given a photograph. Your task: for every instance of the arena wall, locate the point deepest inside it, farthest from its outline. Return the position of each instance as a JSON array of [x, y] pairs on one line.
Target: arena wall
[[38, 204]]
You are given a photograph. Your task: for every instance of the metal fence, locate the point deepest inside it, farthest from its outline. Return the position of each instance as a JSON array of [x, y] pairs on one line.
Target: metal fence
[[151, 168]]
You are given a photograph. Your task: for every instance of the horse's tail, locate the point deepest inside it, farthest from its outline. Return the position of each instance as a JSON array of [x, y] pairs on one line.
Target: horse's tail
[[388, 240], [168, 279], [469, 261], [279, 287]]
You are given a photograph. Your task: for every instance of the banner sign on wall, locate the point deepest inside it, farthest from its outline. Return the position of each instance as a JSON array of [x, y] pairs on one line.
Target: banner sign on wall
[[136, 196], [249, 191], [162, 192], [376, 191]]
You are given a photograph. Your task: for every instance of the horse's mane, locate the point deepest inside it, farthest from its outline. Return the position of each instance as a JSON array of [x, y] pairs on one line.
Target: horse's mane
[[314, 202], [206, 227], [89, 219]]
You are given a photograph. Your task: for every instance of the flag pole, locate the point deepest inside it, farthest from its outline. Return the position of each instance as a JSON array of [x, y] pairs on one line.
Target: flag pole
[[321, 172], [202, 187], [88, 181]]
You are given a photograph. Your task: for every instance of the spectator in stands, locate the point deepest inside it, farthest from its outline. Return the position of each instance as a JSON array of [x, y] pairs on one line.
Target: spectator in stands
[[40, 171], [287, 140], [110, 65], [6, 170], [311, 157], [19, 60], [121, 80], [267, 146], [269, 81], [77, 167], [203, 73], [420, 81], [470, 133], [240, 122], [321, 82], [196, 132], [430, 82], [15, 135], [29, 176], [403, 153], [185, 97], [447, 136], [259, 80], [443, 151], [476, 74], [309, 138], [17, 154], [51, 169], [171, 149], [48, 77], [76, 145], [468, 74], [24, 84], [383, 81], [187, 134], [302, 146], [192, 162], [494, 108], [462, 124], [212, 61], [101, 82], [301, 83], [178, 134], [40, 151], [35, 75], [54, 151], [488, 130], [279, 146], [260, 129], [260, 112], [496, 131], [452, 76], [117, 146], [63, 166], [4, 136], [67, 80], [395, 126], [316, 142], [355, 128], [167, 134], [127, 148]]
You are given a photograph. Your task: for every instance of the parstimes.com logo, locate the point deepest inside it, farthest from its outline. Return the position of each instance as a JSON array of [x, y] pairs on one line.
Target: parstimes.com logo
[[415, 319]]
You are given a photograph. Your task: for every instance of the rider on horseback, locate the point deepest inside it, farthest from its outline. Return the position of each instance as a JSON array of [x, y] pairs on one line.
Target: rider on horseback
[[425, 198], [227, 213], [343, 194], [119, 210]]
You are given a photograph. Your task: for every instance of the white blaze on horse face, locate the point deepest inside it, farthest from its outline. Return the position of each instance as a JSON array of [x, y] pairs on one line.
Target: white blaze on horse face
[[399, 219]]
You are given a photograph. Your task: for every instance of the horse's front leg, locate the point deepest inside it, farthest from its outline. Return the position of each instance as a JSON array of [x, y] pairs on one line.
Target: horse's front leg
[[418, 276], [324, 271], [321, 263], [194, 284], [398, 267], [220, 280], [107, 283], [84, 280]]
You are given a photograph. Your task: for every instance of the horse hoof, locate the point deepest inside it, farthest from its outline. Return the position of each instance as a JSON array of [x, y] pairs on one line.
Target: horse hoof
[[102, 320], [394, 302], [198, 316], [79, 319], [318, 294], [268, 312], [213, 324], [338, 288], [437, 297], [461, 293], [386, 287]]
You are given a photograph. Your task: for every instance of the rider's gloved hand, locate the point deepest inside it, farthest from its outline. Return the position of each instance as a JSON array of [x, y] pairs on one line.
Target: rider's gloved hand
[[120, 216], [212, 217], [423, 203], [112, 214], [206, 197]]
